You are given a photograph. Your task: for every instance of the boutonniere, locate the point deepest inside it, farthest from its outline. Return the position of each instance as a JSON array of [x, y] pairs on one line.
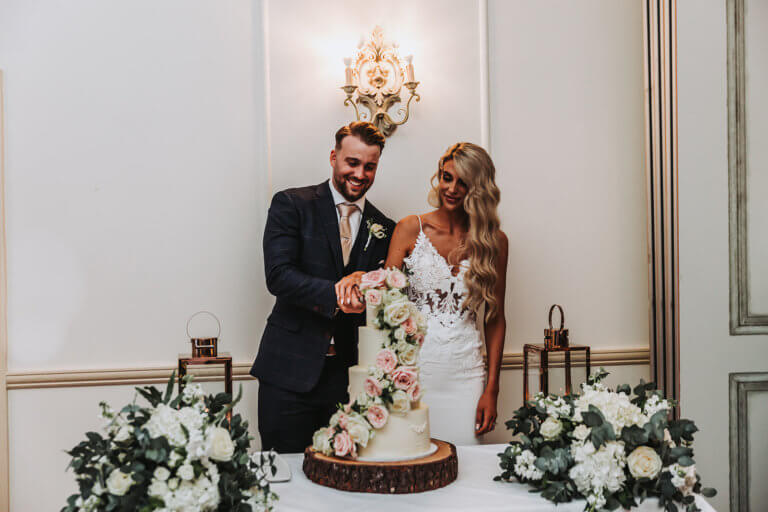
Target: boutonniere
[[376, 230]]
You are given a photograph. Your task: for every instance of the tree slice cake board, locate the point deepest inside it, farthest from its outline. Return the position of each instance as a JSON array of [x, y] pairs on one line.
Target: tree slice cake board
[[417, 475]]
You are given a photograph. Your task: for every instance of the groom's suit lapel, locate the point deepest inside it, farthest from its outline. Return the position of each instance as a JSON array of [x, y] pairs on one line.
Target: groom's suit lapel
[[326, 211], [364, 254]]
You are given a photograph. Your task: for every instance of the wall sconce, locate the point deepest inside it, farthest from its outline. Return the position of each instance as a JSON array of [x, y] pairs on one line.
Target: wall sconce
[[378, 74]]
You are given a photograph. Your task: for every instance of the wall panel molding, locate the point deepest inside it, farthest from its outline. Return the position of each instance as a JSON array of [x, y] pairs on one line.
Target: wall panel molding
[[740, 385], [32, 379], [742, 319], [4, 448], [660, 49]]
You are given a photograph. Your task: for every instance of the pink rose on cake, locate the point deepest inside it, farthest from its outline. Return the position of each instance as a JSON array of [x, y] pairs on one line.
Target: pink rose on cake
[[414, 392], [386, 359], [396, 279], [343, 444], [377, 415], [373, 297], [373, 279], [404, 377], [409, 326], [373, 386]]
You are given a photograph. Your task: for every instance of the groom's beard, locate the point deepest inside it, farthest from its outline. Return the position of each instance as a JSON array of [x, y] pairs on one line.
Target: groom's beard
[[344, 188]]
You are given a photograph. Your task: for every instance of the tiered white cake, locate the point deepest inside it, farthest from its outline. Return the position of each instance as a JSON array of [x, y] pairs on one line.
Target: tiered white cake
[[406, 435]]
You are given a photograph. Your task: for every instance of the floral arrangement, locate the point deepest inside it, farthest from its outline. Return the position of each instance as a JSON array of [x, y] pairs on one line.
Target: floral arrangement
[[177, 454], [605, 446], [393, 383]]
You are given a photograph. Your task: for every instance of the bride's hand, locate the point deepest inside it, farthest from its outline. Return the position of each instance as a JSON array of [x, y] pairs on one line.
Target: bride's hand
[[348, 296], [485, 417]]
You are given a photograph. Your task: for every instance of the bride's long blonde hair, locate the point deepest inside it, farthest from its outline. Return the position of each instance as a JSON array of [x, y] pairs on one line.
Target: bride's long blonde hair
[[475, 168]]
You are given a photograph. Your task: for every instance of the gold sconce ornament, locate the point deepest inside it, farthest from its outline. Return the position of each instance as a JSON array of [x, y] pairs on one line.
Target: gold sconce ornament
[[378, 74]]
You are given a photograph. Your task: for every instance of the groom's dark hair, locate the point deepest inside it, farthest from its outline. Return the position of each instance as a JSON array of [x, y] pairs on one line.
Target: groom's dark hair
[[365, 131]]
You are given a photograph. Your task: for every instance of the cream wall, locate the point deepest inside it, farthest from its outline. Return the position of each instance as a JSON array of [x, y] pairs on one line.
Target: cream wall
[[707, 352], [144, 141]]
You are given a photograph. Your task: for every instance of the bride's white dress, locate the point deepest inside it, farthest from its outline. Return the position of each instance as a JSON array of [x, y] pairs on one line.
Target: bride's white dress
[[452, 370]]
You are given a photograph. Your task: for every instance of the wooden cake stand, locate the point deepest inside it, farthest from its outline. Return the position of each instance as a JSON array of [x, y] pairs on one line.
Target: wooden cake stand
[[416, 475]]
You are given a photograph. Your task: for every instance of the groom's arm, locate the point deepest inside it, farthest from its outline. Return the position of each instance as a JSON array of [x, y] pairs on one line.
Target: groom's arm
[[282, 246]]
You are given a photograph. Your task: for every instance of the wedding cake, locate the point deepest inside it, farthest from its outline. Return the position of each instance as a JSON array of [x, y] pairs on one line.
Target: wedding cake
[[385, 419], [406, 434]]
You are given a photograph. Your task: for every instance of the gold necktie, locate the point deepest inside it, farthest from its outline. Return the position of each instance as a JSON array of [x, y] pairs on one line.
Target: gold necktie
[[345, 230]]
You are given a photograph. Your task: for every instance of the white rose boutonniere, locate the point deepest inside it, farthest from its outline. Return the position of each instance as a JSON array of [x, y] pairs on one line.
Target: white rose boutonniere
[[374, 230]]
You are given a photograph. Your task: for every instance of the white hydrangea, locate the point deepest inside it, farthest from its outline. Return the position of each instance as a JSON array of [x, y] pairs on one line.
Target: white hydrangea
[[525, 468], [655, 404], [554, 405], [598, 472], [616, 407], [201, 494], [192, 393], [165, 422]]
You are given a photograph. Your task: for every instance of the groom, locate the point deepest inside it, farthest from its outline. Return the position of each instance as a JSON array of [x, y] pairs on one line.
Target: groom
[[315, 236]]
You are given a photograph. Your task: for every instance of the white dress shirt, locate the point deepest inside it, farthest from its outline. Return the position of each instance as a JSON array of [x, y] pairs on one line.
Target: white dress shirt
[[356, 217]]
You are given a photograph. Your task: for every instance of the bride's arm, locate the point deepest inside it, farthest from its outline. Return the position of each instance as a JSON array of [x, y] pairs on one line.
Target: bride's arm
[[495, 329], [402, 241]]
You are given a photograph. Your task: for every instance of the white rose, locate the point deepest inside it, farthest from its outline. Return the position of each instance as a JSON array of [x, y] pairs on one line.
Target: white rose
[[158, 488], [644, 462], [358, 430], [391, 296], [118, 483], [581, 432], [400, 334], [123, 434], [551, 428], [220, 445], [400, 402], [321, 442], [409, 355], [173, 484], [162, 473], [397, 312], [186, 472], [174, 459]]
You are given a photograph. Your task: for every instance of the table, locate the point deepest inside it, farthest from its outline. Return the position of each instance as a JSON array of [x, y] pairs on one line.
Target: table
[[474, 490]]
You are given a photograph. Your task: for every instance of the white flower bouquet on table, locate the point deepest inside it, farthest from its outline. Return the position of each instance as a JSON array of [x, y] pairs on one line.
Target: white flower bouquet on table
[[174, 455], [393, 383], [605, 446]]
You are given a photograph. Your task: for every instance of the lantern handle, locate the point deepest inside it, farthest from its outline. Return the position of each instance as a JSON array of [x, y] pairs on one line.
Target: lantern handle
[[562, 316], [208, 312]]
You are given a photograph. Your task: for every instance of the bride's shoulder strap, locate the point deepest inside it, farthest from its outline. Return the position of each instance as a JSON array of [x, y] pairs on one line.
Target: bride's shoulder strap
[[420, 228]]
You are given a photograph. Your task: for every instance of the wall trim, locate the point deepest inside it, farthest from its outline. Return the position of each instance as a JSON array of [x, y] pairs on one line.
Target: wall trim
[[4, 447], [43, 379], [740, 385], [742, 320]]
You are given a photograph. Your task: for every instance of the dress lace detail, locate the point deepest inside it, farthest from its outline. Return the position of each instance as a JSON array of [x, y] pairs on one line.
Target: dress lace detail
[[453, 341]]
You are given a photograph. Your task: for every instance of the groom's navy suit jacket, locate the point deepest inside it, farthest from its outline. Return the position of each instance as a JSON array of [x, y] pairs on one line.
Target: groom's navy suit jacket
[[303, 262]]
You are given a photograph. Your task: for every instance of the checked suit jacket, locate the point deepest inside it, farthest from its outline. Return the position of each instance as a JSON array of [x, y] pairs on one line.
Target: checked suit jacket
[[303, 262]]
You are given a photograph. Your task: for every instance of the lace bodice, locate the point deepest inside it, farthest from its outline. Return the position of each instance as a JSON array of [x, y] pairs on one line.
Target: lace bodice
[[452, 335]]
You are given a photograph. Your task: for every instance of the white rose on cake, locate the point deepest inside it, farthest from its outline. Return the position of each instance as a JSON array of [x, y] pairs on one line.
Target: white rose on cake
[[321, 441], [391, 296], [400, 402], [396, 312], [409, 355], [358, 429]]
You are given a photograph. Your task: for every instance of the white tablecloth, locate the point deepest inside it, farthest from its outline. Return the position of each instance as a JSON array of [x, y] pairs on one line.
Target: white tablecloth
[[473, 490]]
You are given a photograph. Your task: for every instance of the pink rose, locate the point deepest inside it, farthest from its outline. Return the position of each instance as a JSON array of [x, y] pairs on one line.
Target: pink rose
[[410, 326], [373, 297], [404, 377], [343, 419], [414, 392], [420, 339], [396, 279], [377, 416], [386, 359], [373, 279], [343, 444], [372, 386]]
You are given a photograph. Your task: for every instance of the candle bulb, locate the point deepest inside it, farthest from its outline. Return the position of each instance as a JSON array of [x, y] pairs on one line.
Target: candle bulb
[[348, 74], [409, 69]]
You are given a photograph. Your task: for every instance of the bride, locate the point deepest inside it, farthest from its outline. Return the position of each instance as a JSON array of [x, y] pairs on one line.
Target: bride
[[456, 258]]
